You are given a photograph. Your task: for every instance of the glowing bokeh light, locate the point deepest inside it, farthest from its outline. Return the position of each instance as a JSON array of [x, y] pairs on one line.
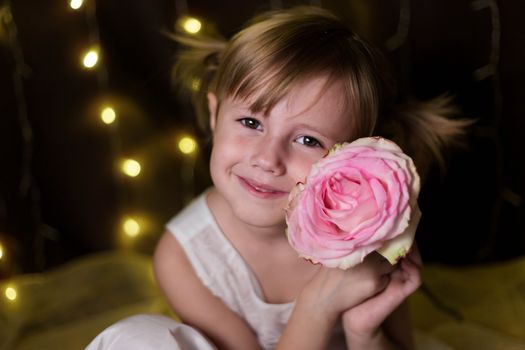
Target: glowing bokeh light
[[10, 293], [6, 18], [131, 167], [187, 145], [108, 115], [1, 252], [76, 4], [196, 84], [192, 25], [90, 59], [131, 227]]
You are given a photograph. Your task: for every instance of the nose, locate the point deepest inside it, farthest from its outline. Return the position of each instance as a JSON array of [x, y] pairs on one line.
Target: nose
[[269, 156]]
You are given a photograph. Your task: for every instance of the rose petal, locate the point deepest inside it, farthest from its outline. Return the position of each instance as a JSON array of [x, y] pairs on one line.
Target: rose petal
[[398, 247], [360, 198]]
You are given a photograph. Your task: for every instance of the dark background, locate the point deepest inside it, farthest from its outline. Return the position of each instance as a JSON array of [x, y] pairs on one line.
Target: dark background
[[62, 196]]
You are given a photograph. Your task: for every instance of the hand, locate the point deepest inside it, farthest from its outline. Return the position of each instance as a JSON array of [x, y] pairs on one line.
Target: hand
[[365, 319], [332, 291]]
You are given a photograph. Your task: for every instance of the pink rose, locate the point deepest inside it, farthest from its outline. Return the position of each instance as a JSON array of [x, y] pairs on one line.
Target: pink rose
[[360, 198]]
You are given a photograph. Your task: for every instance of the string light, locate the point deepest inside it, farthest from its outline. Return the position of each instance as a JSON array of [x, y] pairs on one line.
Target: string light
[[401, 35], [196, 84], [108, 115], [131, 167], [10, 293], [76, 4], [131, 227], [27, 188], [90, 58], [191, 25], [187, 145], [1, 252]]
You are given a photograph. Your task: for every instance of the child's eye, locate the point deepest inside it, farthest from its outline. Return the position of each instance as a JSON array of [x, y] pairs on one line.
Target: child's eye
[[309, 141], [250, 123]]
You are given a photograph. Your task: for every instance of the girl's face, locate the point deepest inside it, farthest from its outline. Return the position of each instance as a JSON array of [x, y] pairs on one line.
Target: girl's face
[[258, 158]]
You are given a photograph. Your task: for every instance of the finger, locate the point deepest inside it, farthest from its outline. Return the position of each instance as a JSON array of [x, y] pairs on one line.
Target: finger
[[411, 274], [414, 256]]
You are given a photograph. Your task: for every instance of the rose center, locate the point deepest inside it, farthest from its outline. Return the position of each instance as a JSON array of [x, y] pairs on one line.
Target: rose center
[[348, 201]]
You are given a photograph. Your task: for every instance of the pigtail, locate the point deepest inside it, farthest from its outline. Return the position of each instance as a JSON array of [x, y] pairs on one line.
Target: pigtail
[[425, 129], [195, 70]]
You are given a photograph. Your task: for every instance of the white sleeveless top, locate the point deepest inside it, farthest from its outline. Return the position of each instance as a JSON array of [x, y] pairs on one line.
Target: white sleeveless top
[[224, 272]]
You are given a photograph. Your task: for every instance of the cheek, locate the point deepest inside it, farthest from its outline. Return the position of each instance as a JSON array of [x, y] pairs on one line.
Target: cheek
[[215, 165], [230, 139], [227, 150], [302, 168]]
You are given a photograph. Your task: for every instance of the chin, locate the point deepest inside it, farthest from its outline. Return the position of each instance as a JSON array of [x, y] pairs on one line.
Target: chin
[[260, 218]]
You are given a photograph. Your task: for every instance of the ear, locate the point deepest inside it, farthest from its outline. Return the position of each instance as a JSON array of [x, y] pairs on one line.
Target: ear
[[212, 108]]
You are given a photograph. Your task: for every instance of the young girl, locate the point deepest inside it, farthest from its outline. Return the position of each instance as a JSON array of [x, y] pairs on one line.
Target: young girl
[[277, 96]]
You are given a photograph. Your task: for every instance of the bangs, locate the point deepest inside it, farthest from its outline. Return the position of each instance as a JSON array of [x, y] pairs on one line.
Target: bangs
[[268, 59]]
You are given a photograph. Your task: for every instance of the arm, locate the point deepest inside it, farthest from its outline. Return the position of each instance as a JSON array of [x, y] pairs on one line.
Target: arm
[[394, 334], [382, 321], [320, 304], [194, 303], [330, 292]]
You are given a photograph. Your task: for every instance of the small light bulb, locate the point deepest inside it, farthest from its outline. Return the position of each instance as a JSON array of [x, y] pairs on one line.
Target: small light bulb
[[10, 293], [192, 25], [1, 252], [108, 115], [131, 227], [130, 167], [187, 145], [90, 59], [196, 84], [76, 4]]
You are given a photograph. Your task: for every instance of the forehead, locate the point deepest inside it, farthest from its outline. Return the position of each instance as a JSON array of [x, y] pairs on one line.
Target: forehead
[[299, 97], [321, 104], [318, 94]]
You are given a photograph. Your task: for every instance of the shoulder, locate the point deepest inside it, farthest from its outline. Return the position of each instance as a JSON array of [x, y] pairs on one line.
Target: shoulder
[[173, 252], [178, 280], [193, 302], [181, 255], [193, 218]]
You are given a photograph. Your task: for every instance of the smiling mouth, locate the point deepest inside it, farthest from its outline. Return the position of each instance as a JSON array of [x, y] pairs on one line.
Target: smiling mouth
[[260, 190]]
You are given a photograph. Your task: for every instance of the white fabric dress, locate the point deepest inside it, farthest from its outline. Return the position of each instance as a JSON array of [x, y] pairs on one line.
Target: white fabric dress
[[222, 269], [224, 272]]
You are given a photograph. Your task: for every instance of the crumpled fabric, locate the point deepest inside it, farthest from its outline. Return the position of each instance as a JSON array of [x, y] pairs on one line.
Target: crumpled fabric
[[145, 332]]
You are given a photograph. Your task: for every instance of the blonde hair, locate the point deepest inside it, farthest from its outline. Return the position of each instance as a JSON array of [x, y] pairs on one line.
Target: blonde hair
[[278, 50]]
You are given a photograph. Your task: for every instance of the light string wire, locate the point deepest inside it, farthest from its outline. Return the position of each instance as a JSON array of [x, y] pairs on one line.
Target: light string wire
[[396, 42], [403, 25], [189, 162], [115, 140], [27, 187], [21, 71], [94, 39], [492, 70]]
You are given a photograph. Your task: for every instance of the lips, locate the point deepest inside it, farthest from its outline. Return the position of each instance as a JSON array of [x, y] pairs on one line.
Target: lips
[[261, 190]]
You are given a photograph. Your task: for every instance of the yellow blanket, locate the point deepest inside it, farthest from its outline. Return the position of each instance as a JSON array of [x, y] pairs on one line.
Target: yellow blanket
[[480, 307]]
